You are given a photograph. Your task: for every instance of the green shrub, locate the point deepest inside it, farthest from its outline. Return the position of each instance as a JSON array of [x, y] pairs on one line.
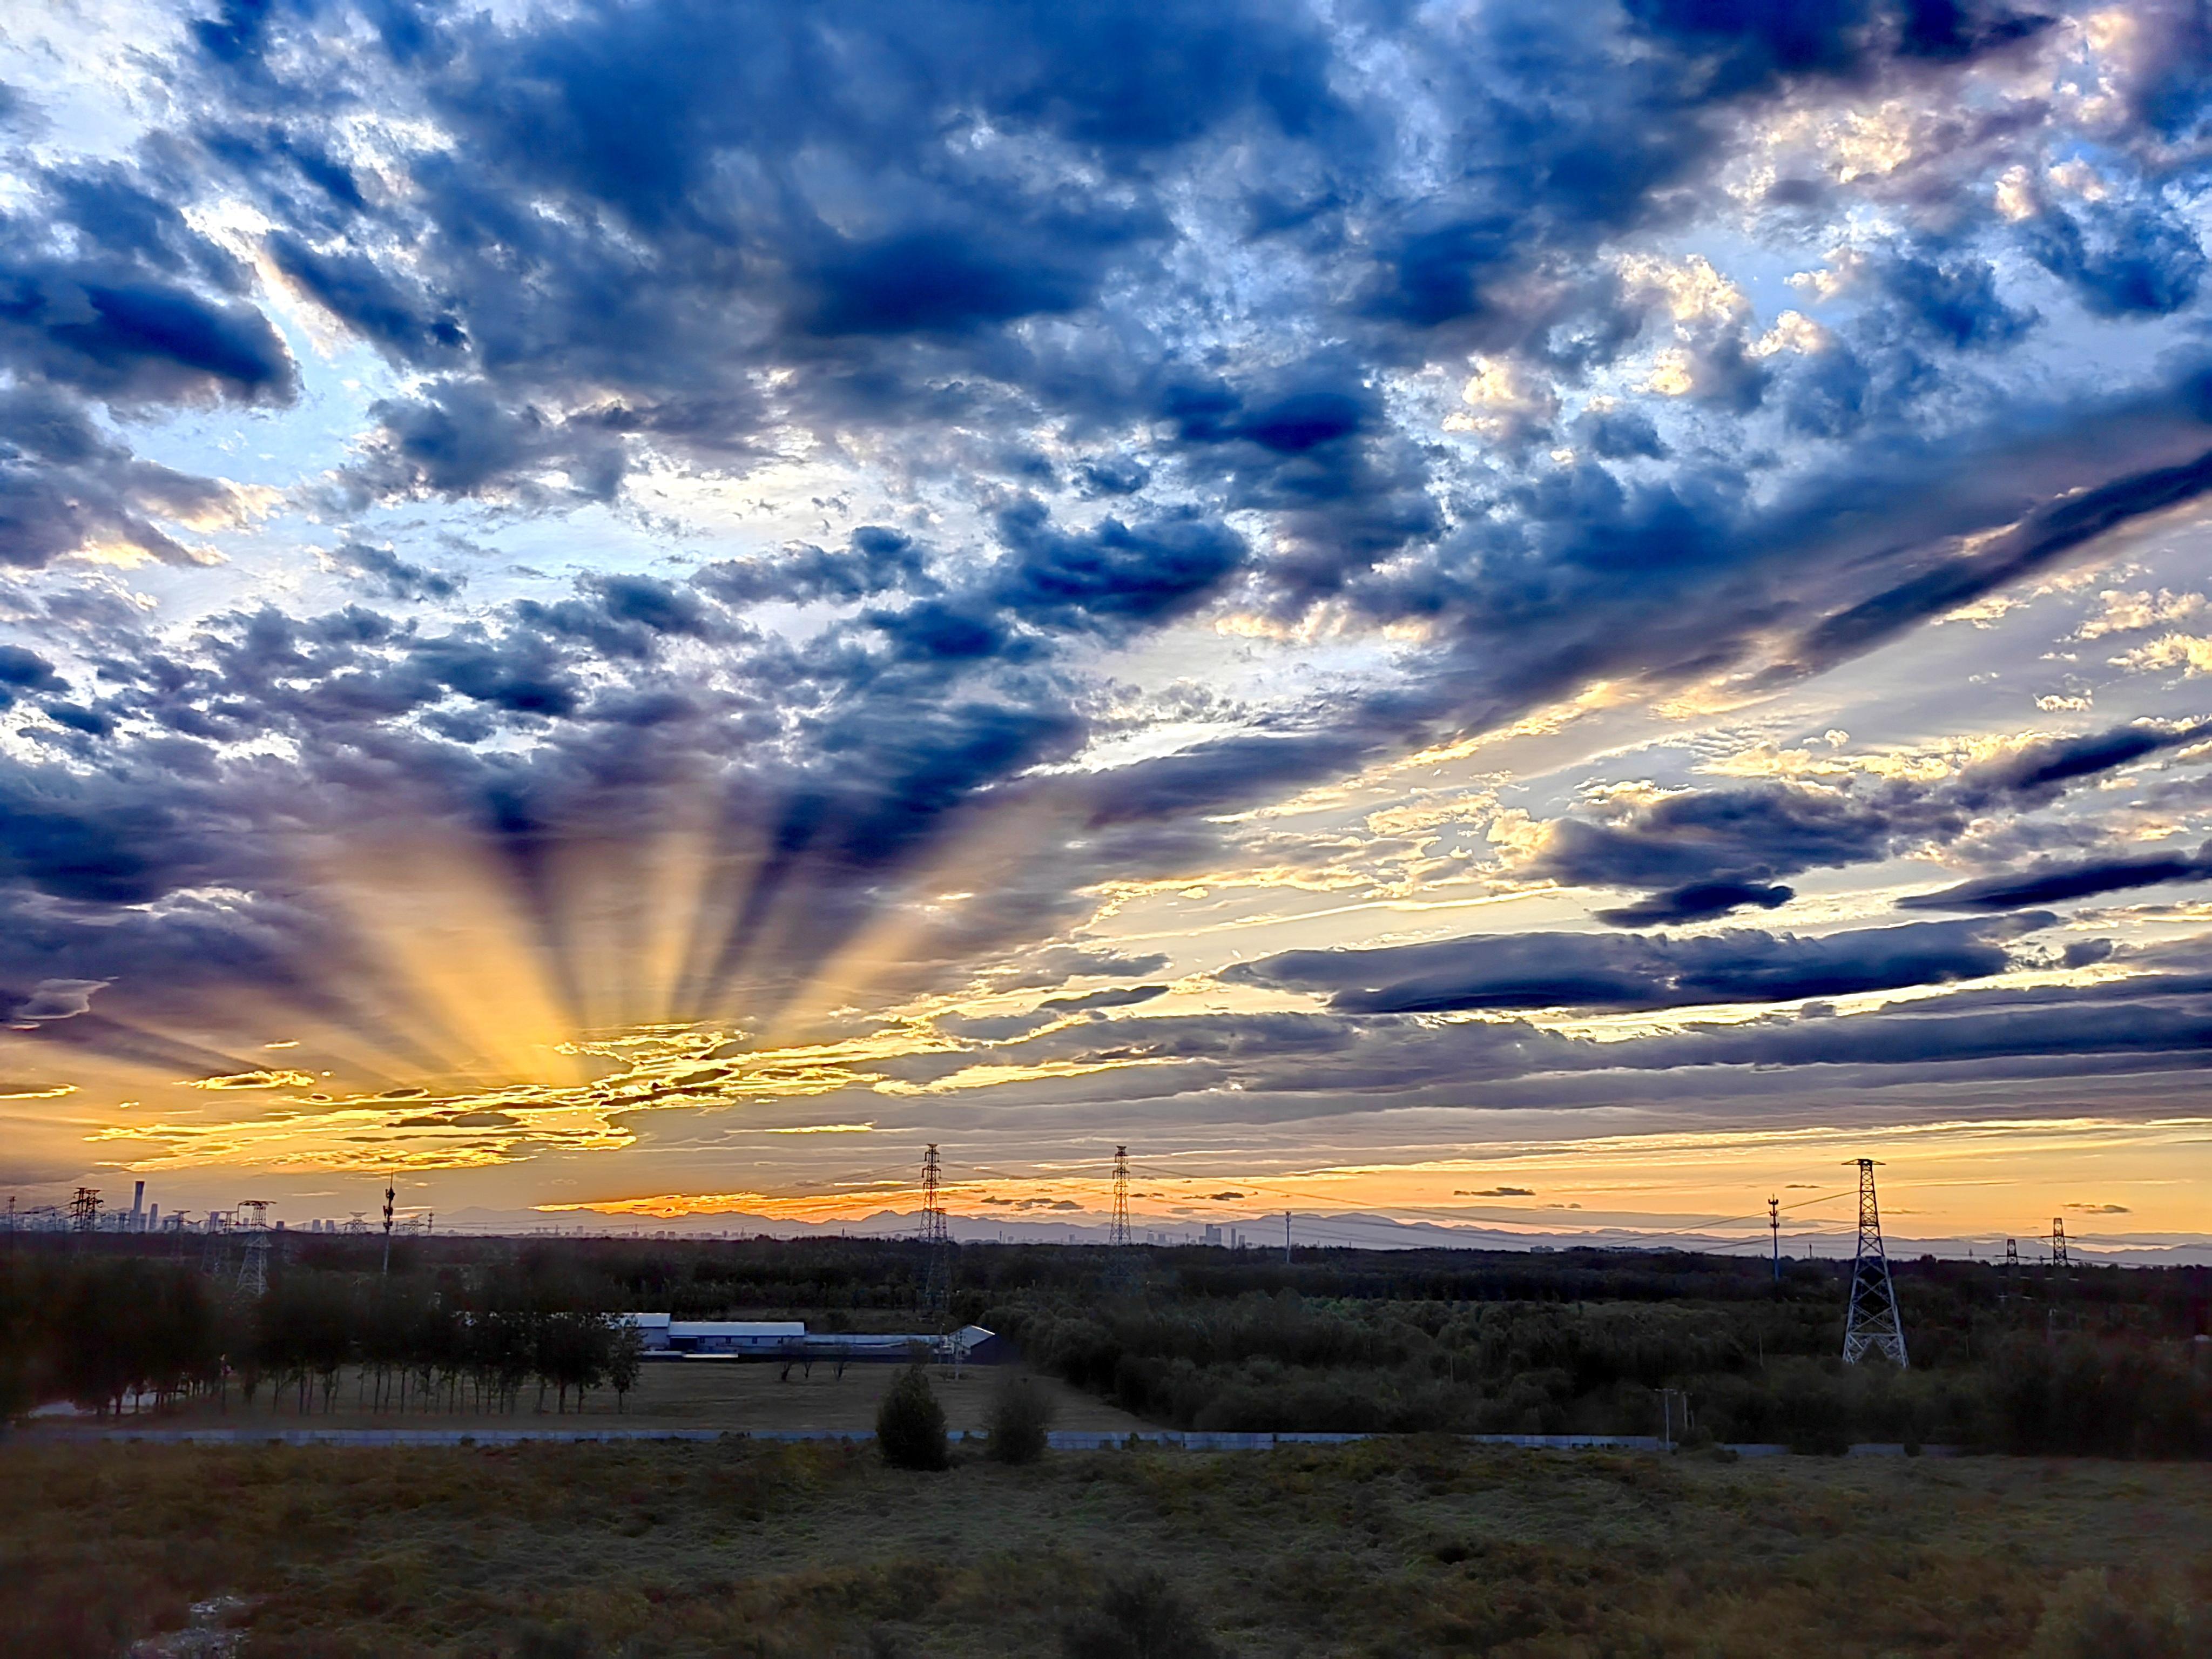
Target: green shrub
[[1021, 1419], [910, 1424]]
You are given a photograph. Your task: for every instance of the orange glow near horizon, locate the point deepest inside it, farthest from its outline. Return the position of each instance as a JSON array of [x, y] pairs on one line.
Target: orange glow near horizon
[[1974, 1179], [504, 1026]]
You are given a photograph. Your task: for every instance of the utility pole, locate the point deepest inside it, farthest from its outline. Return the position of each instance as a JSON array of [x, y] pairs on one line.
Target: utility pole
[[1871, 1320], [2061, 1263], [1774, 1228], [390, 1192]]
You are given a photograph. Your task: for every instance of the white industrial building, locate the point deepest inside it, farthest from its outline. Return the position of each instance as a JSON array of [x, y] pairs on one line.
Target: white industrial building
[[668, 1337]]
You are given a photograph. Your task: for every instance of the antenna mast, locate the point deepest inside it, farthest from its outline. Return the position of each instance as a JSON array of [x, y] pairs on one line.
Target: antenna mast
[[1872, 1323]]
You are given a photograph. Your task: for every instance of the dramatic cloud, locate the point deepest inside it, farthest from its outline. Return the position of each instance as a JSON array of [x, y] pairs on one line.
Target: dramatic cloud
[[1585, 970], [1705, 853], [2055, 884], [605, 564]]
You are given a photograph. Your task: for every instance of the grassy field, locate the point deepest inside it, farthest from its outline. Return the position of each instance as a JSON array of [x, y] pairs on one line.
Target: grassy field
[[1400, 1547], [677, 1395]]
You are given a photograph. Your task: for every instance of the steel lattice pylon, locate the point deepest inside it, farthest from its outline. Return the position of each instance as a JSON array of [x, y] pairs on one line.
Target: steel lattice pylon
[[1872, 1324], [1118, 1236], [253, 1266], [936, 1237]]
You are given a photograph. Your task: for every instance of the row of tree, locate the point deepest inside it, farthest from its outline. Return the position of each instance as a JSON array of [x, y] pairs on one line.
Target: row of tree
[[1744, 1371], [830, 1277], [131, 1332]]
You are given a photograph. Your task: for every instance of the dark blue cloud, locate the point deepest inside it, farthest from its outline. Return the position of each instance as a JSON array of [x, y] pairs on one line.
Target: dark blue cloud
[[1113, 575], [874, 560], [1695, 901], [363, 294], [1956, 301], [133, 342], [1513, 971], [1752, 40], [931, 281], [1705, 853], [459, 438], [2121, 261], [1124, 996], [25, 672], [2044, 536], [2058, 883], [623, 616], [108, 296], [386, 574]]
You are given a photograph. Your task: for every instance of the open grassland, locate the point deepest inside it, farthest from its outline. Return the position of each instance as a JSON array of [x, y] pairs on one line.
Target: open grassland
[[743, 1396], [1416, 1546]]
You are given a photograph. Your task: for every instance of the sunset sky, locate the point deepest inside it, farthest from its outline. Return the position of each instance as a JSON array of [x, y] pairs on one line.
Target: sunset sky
[[1553, 617]]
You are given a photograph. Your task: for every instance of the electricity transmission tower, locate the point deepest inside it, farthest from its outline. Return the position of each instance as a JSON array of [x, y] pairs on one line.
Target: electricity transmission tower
[[1774, 1228], [936, 1237], [1119, 1236], [2061, 1258], [84, 1210], [253, 1264], [1872, 1323]]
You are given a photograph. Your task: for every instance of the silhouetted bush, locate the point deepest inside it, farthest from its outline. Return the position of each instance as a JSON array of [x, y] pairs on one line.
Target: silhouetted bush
[[910, 1424], [567, 1640], [1141, 1616], [1021, 1419]]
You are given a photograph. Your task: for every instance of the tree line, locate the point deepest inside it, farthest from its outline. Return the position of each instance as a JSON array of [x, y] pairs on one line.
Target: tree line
[[2097, 1360], [127, 1331], [2007, 1380]]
